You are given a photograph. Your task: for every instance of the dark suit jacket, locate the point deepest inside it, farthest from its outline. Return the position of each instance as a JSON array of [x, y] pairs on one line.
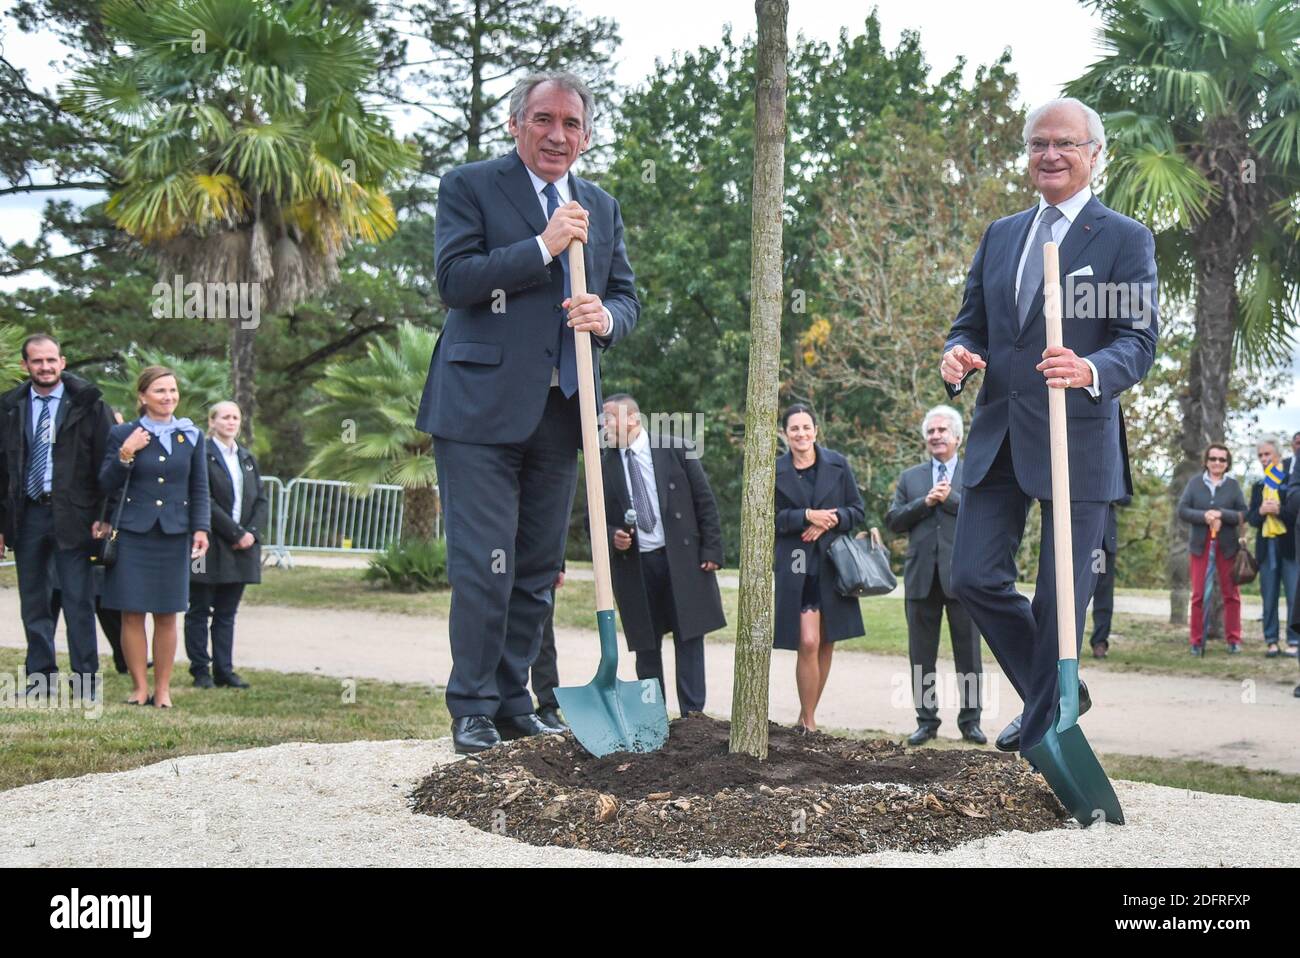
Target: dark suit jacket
[[1013, 395], [224, 564], [1227, 499], [81, 428], [929, 529], [692, 534], [491, 370], [1256, 518], [170, 489], [836, 488]]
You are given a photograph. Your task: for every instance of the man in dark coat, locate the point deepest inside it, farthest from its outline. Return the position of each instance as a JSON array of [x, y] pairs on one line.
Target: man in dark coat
[[926, 501], [53, 431], [1274, 547], [501, 398], [1108, 270], [665, 569]]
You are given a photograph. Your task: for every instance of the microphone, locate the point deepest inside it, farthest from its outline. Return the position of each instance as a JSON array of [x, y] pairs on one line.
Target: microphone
[[629, 522]]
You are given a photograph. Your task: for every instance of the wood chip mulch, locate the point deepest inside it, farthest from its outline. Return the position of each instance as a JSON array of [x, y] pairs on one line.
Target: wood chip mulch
[[815, 795]]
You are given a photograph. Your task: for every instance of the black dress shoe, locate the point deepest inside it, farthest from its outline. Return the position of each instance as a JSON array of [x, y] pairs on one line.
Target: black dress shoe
[[550, 715], [204, 681], [1296, 693], [473, 733], [1100, 649], [973, 733], [1008, 739], [231, 681], [922, 735], [521, 726]]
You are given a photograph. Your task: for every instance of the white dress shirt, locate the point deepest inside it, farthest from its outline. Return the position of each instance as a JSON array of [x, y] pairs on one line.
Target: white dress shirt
[[640, 447], [230, 456], [561, 187], [1070, 210], [55, 397]]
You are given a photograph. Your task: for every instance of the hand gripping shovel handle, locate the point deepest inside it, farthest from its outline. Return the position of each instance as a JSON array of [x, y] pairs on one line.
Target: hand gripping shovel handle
[[1063, 540], [1064, 552], [591, 440]]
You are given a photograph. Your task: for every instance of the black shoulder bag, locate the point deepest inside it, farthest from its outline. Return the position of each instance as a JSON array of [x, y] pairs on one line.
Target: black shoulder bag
[[105, 553]]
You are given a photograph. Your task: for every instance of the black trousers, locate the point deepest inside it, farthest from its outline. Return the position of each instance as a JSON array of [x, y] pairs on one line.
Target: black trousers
[[545, 672], [218, 604], [110, 620], [507, 507], [688, 651], [1022, 635], [924, 617], [1103, 603], [34, 552]]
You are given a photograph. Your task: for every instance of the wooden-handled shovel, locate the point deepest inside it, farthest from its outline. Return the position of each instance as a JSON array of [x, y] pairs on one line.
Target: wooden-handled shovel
[[607, 714], [1063, 755]]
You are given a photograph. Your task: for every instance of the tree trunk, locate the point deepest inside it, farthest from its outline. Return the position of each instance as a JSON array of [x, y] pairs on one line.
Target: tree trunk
[[419, 514], [754, 615], [243, 366]]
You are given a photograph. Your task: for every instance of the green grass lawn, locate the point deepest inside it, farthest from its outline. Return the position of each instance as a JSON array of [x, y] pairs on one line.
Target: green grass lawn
[[38, 744]]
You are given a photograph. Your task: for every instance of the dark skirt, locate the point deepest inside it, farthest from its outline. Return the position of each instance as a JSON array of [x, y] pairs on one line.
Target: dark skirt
[[151, 574]]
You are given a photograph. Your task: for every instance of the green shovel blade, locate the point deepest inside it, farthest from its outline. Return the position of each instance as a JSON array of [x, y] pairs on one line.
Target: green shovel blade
[[1067, 761], [611, 715]]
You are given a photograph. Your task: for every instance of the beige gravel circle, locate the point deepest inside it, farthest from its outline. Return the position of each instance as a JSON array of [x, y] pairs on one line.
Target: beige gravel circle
[[345, 805]]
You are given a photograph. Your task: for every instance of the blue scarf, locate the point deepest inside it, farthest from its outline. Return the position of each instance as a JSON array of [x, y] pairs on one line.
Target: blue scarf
[[162, 431]]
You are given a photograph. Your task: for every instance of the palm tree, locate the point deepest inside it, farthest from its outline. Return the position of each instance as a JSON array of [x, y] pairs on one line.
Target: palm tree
[[364, 430], [247, 153], [11, 341], [1202, 103]]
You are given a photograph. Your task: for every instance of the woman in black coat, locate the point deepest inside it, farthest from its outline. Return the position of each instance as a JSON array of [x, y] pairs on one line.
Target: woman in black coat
[[158, 463], [817, 500], [239, 506], [1213, 505]]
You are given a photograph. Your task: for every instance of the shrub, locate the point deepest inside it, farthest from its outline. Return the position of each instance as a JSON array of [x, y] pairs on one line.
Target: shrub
[[415, 566]]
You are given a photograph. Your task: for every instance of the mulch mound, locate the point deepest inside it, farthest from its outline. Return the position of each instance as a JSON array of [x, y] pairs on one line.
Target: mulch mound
[[815, 795]]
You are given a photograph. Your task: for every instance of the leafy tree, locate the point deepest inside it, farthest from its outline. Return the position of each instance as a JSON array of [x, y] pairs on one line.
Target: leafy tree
[[364, 429], [1202, 106], [246, 153]]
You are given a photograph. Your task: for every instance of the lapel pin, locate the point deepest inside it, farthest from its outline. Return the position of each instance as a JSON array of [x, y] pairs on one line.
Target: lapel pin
[[1086, 228]]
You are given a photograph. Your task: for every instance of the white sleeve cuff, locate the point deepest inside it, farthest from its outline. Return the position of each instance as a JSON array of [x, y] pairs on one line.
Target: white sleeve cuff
[[1095, 389], [609, 323], [546, 254]]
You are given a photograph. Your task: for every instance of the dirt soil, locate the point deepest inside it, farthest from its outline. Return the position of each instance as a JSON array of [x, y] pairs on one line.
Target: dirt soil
[[815, 795]]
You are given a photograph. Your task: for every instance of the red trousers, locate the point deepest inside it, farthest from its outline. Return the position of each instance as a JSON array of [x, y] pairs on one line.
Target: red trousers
[[1231, 596]]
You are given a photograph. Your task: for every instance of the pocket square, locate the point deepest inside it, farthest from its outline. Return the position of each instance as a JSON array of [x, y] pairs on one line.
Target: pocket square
[[1081, 271]]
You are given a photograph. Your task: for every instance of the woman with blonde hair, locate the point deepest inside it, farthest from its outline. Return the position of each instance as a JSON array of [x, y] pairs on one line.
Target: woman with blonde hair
[[157, 463], [239, 507]]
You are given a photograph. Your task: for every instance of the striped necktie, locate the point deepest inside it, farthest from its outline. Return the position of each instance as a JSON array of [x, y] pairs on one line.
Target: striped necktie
[[40, 451], [645, 512], [566, 357]]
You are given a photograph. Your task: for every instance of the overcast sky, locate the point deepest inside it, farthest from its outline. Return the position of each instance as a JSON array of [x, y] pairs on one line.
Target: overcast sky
[[1051, 42]]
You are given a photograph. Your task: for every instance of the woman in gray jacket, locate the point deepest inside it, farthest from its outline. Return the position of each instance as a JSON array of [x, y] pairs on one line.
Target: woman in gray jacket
[[1213, 505]]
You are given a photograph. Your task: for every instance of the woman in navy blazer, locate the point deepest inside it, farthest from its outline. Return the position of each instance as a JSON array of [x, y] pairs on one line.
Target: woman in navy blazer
[[817, 500], [158, 463]]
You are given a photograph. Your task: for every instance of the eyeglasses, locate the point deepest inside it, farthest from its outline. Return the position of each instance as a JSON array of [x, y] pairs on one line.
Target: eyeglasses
[[1062, 146], [1217, 459]]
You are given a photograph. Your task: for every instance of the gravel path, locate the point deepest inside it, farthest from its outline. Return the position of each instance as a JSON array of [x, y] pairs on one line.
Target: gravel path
[[345, 805], [1171, 716]]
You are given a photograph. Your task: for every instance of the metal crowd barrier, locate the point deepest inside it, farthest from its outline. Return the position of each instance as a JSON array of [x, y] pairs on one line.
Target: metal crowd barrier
[[322, 516]]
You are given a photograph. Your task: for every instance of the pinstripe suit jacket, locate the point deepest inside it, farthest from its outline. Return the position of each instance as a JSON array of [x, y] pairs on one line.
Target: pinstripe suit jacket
[[1109, 316]]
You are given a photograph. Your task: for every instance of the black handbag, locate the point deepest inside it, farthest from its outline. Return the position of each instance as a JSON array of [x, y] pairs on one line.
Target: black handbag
[[861, 567], [104, 555]]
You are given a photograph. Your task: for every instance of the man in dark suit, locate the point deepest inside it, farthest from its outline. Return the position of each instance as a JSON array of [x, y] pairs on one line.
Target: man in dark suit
[[926, 503], [53, 431], [501, 398], [665, 570], [1103, 596], [1110, 329]]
